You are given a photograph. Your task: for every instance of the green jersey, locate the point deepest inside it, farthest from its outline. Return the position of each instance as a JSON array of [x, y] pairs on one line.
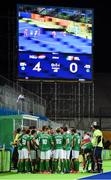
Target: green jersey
[[38, 135], [67, 141], [32, 143], [87, 145], [24, 139], [76, 142], [58, 141], [45, 142], [19, 145]]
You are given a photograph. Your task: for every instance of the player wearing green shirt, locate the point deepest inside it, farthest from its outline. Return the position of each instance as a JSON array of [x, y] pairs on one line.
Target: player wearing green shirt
[[37, 138], [24, 145], [75, 150], [67, 142], [86, 147], [58, 150], [33, 147], [45, 149]]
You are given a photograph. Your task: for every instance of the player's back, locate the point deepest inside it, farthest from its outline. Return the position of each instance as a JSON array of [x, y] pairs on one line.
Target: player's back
[[58, 141], [44, 142], [67, 141], [24, 140], [76, 139]]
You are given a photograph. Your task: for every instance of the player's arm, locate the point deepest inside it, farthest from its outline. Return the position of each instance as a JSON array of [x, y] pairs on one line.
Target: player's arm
[[83, 142], [73, 142], [15, 142], [28, 146], [93, 140], [52, 141], [34, 143]]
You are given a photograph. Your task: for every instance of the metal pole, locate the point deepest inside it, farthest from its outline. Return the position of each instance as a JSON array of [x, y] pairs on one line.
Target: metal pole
[[100, 117], [41, 91], [75, 105], [55, 101], [93, 99], [89, 105], [79, 105], [83, 103], [9, 49], [72, 99], [18, 111]]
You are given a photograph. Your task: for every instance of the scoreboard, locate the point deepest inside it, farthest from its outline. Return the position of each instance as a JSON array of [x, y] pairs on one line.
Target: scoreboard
[[54, 43], [55, 66]]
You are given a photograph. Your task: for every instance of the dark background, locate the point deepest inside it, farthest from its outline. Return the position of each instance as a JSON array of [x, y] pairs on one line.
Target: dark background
[[102, 33]]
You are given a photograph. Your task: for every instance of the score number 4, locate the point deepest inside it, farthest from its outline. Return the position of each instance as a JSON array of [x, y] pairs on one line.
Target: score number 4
[[37, 67]]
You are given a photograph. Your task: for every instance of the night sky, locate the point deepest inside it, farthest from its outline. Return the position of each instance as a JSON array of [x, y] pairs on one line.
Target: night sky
[[102, 33]]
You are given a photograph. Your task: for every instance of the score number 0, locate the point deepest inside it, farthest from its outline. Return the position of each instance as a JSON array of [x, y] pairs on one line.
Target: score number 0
[[73, 67]]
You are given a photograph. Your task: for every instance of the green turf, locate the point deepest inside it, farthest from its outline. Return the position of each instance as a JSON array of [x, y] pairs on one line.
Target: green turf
[[15, 176]]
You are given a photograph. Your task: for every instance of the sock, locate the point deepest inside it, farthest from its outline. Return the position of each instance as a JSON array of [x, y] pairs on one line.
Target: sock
[[29, 166], [68, 164], [26, 166], [21, 166], [18, 166], [87, 164], [50, 164], [56, 166], [53, 166], [47, 165], [62, 166], [38, 166], [65, 164], [76, 165], [42, 166], [33, 166]]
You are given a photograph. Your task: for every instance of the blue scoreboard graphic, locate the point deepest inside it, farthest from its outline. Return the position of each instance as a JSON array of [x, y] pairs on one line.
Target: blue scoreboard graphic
[[55, 66]]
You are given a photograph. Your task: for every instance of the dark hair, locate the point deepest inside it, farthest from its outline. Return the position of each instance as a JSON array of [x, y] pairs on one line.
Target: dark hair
[[96, 127], [65, 129], [44, 128], [18, 130], [33, 132], [74, 130], [27, 131], [58, 130]]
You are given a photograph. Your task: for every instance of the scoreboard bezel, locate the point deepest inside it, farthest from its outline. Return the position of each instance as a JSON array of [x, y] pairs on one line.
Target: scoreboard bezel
[[52, 79]]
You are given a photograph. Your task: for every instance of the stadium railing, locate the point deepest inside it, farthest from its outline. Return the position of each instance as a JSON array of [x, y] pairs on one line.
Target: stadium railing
[[16, 99]]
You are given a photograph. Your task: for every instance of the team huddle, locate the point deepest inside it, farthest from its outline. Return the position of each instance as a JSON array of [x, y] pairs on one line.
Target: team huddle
[[55, 151]]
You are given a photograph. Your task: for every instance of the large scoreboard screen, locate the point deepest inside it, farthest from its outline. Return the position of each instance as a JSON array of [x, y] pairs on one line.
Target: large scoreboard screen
[[54, 43]]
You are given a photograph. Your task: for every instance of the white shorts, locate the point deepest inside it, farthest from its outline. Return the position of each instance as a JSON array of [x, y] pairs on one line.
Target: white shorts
[[66, 154], [58, 154], [52, 154], [75, 154], [38, 153], [45, 155], [33, 154], [24, 154], [19, 154]]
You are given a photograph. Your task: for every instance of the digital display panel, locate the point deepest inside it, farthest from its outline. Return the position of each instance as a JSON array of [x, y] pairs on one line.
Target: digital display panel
[[55, 66], [54, 36]]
